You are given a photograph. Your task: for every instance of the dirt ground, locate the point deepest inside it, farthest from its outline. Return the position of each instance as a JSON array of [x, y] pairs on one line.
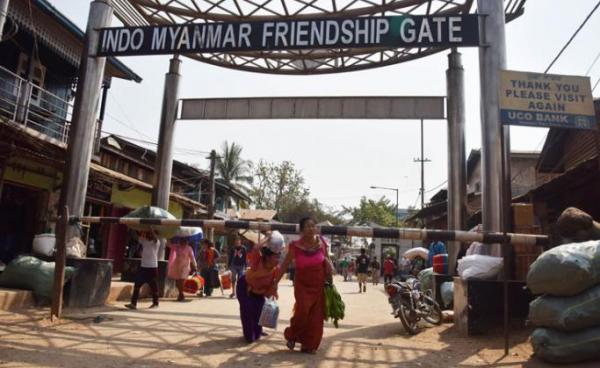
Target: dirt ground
[[207, 333]]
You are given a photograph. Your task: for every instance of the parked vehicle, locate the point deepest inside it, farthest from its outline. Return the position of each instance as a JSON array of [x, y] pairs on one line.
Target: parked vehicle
[[411, 305]]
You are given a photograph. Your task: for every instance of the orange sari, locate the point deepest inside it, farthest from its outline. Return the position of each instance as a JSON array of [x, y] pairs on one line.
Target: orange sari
[[306, 325]]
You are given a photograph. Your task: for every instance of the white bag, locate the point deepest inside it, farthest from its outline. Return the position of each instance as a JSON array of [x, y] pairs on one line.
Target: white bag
[[269, 314], [479, 267], [418, 251]]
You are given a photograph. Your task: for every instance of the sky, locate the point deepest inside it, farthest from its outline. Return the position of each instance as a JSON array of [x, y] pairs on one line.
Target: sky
[[341, 159]]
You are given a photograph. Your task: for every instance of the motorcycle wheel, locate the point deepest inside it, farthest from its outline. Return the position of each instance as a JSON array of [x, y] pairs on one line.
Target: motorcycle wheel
[[410, 324], [435, 313]]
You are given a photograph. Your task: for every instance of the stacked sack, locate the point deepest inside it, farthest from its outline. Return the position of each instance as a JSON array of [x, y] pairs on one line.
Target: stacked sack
[[568, 312]]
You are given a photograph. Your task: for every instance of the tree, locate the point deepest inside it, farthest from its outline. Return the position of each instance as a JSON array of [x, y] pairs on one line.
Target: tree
[[232, 168], [282, 187], [381, 212]]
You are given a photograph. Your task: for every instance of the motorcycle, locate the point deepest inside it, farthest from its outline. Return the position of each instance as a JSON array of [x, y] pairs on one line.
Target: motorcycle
[[411, 305]]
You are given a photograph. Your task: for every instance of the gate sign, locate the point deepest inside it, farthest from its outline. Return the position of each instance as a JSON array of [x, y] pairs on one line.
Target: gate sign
[[362, 32], [546, 100]]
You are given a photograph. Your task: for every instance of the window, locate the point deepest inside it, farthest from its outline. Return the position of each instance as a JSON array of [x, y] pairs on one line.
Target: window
[[37, 78]]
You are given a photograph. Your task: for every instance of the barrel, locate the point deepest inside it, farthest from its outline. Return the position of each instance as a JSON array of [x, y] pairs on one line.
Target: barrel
[[440, 264]]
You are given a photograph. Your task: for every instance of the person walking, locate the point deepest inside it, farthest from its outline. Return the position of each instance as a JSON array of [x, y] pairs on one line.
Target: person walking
[[344, 265], [237, 263], [313, 269], [362, 269], [258, 283], [375, 271], [207, 260], [389, 270], [181, 263], [148, 271]]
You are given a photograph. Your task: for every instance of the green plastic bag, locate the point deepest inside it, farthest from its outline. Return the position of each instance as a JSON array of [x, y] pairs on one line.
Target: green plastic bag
[[566, 270], [30, 273], [426, 279], [562, 347], [567, 313]]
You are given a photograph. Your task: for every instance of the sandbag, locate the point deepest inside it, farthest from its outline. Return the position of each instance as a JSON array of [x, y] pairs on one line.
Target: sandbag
[[566, 270], [562, 347], [480, 267], [30, 273], [426, 278], [447, 291], [567, 313]]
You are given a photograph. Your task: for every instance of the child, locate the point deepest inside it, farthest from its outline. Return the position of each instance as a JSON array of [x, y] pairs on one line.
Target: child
[[259, 282], [181, 263]]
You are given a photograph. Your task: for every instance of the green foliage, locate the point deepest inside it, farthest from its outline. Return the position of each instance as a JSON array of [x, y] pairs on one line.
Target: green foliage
[[282, 187], [230, 165], [368, 211]]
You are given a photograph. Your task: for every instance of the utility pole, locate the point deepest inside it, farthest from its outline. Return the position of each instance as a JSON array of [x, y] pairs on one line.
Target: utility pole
[[422, 160], [211, 197]]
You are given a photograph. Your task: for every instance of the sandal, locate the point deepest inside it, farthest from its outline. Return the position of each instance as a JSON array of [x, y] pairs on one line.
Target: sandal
[[291, 344]]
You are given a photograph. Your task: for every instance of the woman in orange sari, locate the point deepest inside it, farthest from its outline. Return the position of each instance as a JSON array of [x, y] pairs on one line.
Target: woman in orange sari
[[312, 270]]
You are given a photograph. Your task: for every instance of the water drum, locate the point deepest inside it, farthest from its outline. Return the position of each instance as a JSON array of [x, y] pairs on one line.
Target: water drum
[[193, 284], [226, 280], [440, 264]]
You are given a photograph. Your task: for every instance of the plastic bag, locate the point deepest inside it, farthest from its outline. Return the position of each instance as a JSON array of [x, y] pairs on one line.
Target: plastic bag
[[30, 273], [269, 314], [479, 267], [561, 347], [418, 251], [426, 279], [447, 291], [566, 270], [567, 313]]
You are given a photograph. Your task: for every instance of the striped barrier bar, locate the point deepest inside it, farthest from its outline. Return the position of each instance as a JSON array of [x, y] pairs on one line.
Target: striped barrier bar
[[361, 231]]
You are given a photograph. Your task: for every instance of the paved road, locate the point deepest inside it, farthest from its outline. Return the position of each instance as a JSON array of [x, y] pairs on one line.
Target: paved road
[[206, 333]]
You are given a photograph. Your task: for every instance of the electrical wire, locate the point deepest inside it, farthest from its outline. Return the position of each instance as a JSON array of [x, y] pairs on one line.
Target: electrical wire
[[593, 63], [572, 37]]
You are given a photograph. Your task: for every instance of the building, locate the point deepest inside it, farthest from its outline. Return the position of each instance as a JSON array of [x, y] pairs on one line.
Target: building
[[40, 51], [524, 178], [570, 164]]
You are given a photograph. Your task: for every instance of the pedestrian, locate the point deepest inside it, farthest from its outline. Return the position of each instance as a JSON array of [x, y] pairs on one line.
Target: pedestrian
[[313, 269], [351, 268], [148, 271], [389, 270], [258, 283], [344, 265], [405, 267], [237, 263], [181, 263], [375, 271], [207, 261], [435, 248], [362, 269]]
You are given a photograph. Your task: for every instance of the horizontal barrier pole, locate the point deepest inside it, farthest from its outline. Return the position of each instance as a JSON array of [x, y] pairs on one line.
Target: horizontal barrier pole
[[361, 231]]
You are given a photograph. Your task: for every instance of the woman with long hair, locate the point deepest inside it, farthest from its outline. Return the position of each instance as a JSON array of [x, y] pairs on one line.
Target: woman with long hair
[[310, 254]]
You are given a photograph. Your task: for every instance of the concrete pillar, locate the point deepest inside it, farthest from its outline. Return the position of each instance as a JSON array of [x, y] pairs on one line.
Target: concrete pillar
[[457, 177], [81, 140], [164, 160], [81, 135], [494, 137]]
